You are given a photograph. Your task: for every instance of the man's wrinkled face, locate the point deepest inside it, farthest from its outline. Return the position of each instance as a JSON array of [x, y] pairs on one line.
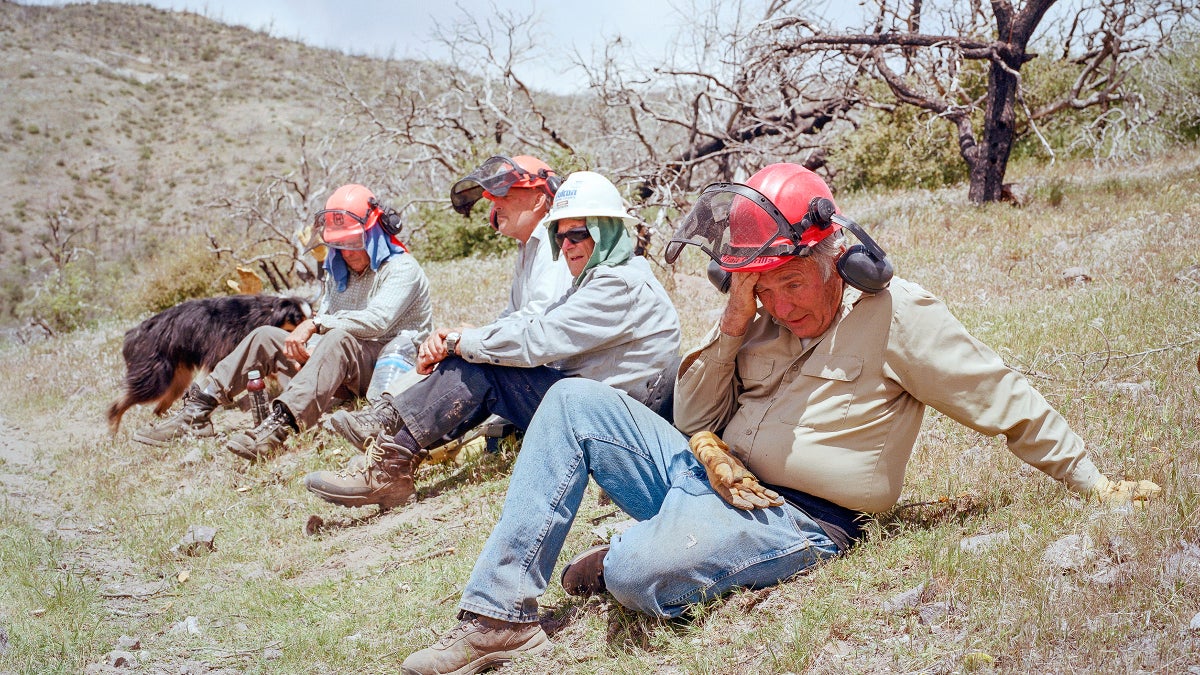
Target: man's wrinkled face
[[357, 261], [518, 212], [796, 296]]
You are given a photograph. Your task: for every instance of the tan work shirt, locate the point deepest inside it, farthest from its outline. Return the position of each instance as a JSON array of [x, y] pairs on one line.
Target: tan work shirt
[[838, 418]]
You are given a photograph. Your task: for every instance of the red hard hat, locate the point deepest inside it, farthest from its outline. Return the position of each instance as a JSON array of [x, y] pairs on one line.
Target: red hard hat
[[348, 214], [790, 187]]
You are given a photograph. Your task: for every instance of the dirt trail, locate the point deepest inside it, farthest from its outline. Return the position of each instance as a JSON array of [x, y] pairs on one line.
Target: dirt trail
[[23, 479]]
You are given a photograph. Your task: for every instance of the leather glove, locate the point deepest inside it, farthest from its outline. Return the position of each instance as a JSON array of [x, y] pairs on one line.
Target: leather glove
[[729, 477], [1115, 493]]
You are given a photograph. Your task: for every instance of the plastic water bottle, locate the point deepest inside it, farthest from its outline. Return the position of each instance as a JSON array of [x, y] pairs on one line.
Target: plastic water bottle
[[260, 406], [398, 358]]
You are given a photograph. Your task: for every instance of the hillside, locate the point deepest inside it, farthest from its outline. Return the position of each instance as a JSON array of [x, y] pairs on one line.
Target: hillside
[[135, 122]]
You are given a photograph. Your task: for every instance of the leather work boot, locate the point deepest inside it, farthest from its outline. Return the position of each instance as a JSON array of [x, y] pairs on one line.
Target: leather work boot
[[477, 643], [264, 439], [191, 420], [380, 421], [584, 575], [385, 478]]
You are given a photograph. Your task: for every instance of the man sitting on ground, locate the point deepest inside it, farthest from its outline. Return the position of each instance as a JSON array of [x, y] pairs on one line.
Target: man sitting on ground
[[816, 379], [616, 325], [374, 291]]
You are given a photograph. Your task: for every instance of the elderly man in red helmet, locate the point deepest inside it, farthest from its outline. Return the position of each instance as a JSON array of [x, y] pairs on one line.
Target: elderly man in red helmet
[[803, 405], [375, 292]]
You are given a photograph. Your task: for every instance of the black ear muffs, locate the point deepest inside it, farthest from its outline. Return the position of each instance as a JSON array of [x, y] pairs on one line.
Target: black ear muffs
[[388, 219], [391, 222], [863, 270], [553, 181], [864, 266]]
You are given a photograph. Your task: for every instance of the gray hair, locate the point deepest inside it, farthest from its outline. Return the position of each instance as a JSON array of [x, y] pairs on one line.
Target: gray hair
[[825, 253]]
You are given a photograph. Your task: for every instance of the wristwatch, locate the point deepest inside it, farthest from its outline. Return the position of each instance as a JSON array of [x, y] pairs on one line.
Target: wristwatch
[[452, 342]]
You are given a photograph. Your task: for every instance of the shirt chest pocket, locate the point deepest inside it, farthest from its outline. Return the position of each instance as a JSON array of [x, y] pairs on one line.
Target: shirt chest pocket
[[754, 368], [824, 391]]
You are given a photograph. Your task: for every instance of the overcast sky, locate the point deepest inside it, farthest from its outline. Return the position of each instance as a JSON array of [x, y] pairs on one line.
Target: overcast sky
[[403, 27]]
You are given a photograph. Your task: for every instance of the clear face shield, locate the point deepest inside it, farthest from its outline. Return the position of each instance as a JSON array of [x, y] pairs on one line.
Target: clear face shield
[[495, 176], [338, 228], [736, 226]]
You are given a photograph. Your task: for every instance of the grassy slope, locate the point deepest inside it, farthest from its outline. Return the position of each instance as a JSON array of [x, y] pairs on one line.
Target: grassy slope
[[367, 590], [94, 118]]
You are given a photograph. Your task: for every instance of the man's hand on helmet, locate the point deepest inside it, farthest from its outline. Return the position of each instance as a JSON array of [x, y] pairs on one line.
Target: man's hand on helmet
[[729, 477], [742, 305]]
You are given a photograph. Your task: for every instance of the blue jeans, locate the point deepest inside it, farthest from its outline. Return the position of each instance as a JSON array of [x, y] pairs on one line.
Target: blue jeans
[[689, 546], [460, 395]]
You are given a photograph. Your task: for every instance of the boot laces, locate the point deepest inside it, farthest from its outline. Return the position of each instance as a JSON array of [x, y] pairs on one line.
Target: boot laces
[[374, 456], [468, 622]]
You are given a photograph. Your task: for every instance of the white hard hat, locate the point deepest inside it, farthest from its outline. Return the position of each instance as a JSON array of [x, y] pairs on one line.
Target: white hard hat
[[586, 193]]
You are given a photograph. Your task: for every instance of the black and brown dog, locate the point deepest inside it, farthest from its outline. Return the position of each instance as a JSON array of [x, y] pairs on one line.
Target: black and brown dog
[[163, 353]]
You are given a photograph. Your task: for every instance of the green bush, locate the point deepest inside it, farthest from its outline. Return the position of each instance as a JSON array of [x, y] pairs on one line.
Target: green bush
[[71, 297], [438, 234], [182, 269], [904, 148]]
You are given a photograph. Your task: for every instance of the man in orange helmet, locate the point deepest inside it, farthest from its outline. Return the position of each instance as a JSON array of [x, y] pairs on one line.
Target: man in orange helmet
[[816, 379], [375, 291]]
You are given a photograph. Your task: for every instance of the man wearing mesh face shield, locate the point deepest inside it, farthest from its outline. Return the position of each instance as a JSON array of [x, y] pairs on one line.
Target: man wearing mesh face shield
[[802, 406]]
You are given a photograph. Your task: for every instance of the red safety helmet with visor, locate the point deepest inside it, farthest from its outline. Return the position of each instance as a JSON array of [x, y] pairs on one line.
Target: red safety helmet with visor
[[497, 175], [349, 213], [757, 226]]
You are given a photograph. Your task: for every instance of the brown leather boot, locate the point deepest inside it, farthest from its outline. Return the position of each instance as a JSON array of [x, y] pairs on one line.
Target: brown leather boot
[[584, 575], [385, 478], [477, 643]]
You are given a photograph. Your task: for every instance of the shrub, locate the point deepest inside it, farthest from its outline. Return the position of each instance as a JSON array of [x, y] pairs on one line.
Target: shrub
[[439, 234], [904, 148], [71, 297], [184, 268]]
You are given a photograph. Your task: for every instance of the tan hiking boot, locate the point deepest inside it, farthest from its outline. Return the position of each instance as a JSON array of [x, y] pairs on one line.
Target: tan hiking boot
[[191, 420], [584, 575], [477, 643], [378, 422], [265, 439], [383, 477]]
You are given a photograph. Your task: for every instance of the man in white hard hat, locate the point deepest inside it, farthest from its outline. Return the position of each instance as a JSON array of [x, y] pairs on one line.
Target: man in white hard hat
[[520, 190], [616, 325]]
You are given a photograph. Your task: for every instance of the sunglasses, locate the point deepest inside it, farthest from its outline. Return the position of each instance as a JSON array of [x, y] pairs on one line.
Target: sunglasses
[[577, 235]]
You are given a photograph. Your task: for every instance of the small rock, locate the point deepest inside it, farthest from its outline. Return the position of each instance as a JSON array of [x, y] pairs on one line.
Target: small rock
[[1182, 563], [906, 600], [1109, 575], [608, 531], [1075, 274], [119, 659], [932, 613], [189, 625], [195, 456], [128, 643], [1195, 624], [313, 525], [271, 653], [983, 542], [1071, 553], [198, 541]]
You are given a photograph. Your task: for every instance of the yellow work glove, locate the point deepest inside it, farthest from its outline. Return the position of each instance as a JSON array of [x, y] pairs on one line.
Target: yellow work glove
[[729, 477], [1115, 493]]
